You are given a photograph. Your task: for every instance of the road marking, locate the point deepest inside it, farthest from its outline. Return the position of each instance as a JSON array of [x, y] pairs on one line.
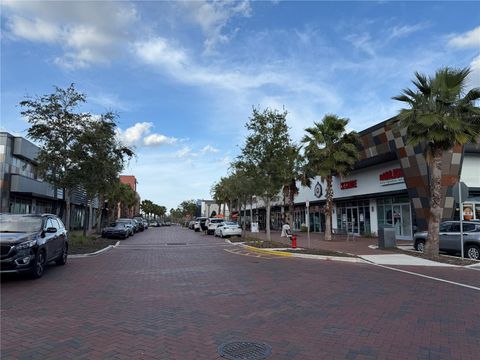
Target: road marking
[[429, 277]]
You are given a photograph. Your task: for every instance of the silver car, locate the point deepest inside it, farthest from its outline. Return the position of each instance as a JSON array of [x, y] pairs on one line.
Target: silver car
[[450, 238]]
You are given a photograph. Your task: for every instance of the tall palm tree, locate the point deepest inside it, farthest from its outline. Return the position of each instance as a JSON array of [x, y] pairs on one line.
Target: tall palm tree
[[330, 151], [439, 115]]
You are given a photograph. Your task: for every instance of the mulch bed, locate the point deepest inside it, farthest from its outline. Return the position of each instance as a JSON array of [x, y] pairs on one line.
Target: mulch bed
[[90, 246]]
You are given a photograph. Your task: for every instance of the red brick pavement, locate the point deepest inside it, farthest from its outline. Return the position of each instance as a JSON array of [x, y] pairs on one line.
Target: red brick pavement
[[148, 300]]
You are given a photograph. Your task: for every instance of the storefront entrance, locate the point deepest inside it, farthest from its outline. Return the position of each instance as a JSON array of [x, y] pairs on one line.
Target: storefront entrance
[[396, 213], [354, 217]]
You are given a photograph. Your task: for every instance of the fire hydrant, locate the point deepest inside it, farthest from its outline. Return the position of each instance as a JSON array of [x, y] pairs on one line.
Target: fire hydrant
[[294, 241]]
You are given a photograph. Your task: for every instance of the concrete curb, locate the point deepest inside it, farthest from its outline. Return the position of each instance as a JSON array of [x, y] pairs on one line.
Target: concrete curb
[[77, 256]]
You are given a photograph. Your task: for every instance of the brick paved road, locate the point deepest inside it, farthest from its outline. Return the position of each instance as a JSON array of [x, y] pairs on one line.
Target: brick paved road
[[149, 300]]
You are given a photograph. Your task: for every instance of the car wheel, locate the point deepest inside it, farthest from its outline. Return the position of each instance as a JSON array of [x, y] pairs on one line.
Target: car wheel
[[62, 260], [473, 252], [38, 266], [420, 246]]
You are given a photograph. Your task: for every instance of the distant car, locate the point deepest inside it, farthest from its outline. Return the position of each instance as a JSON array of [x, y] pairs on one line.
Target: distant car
[[145, 224], [168, 223], [130, 223], [117, 230], [212, 225], [200, 224], [154, 223], [191, 225], [28, 242], [450, 238], [139, 221], [227, 229]]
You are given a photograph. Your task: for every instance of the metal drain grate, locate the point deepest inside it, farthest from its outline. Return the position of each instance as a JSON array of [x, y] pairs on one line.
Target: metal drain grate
[[242, 350]]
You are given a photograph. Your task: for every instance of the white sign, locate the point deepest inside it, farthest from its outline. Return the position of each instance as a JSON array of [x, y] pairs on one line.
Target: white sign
[[254, 227]]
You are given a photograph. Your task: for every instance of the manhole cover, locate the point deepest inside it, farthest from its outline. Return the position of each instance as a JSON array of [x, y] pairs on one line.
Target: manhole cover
[[242, 350]]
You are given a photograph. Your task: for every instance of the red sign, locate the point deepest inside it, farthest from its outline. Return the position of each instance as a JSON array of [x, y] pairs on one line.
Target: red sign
[[348, 184], [391, 176]]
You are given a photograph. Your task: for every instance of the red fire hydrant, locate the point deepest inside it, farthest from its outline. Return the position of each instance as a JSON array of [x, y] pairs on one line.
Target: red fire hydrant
[[294, 241]]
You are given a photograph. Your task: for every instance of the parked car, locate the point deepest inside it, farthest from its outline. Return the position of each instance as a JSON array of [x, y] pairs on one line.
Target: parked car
[[130, 223], [139, 221], [200, 224], [227, 229], [145, 224], [154, 223], [28, 242], [212, 225], [450, 238], [117, 230], [191, 225]]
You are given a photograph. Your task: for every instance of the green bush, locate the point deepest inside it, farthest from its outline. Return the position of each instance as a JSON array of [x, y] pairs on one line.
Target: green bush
[[303, 228]]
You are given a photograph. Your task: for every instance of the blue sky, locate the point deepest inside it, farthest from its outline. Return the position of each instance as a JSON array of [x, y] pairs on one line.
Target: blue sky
[[183, 76]]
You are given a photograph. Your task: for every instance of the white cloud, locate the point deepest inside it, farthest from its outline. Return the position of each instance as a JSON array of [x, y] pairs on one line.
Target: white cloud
[[469, 39], [213, 16], [362, 42], [34, 29], [158, 139], [139, 134], [405, 30], [474, 77], [89, 32], [184, 152], [209, 149]]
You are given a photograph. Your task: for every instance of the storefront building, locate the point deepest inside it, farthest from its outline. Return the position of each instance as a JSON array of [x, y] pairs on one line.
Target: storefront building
[[388, 187]]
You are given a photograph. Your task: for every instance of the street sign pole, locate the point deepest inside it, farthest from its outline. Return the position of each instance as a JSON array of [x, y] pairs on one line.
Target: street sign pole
[[461, 218], [307, 204]]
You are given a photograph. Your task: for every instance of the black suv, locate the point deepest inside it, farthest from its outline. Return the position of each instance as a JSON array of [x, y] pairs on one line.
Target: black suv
[[28, 242]]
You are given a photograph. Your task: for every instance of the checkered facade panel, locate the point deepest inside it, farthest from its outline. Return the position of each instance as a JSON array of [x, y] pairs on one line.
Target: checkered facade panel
[[387, 138]]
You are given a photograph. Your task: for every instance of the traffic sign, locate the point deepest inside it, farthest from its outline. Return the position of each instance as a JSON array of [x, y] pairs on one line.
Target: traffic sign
[[460, 192]]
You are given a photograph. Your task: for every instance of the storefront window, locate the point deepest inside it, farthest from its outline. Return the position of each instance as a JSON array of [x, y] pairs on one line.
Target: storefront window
[[354, 216], [395, 212]]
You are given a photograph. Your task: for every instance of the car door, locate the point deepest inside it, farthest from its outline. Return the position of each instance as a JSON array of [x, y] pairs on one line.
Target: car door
[[61, 238], [450, 237], [50, 239]]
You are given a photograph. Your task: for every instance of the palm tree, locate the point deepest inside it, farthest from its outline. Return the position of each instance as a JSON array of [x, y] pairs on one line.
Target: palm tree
[[439, 116], [330, 151]]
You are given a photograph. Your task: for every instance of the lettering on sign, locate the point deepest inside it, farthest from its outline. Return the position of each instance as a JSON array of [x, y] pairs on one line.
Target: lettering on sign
[[348, 184], [393, 176]]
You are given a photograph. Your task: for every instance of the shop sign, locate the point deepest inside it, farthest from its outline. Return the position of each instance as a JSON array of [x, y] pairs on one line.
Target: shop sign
[[318, 191], [393, 176], [348, 184]]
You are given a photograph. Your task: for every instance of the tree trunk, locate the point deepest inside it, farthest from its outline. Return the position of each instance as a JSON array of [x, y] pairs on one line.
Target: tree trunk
[[90, 218], [328, 212], [251, 212], [291, 199], [244, 225], [67, 209], [86, 215], [101, 205], [432, 244], [267, 221], [230, 205]]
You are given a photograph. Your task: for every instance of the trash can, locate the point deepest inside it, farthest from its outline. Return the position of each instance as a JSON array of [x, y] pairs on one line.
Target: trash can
[[386, 237]]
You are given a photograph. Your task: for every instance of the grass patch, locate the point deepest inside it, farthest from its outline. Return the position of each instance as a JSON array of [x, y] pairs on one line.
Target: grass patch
[[79, 244]]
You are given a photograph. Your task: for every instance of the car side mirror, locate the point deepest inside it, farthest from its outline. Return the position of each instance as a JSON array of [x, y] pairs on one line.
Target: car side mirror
[[51, 230]]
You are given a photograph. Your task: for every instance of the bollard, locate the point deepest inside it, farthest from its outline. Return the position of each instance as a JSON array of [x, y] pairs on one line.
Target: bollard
[[294, 241]]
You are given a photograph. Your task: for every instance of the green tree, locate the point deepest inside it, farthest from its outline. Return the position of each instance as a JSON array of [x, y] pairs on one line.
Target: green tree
[[330, 151], [57, 124], [266, 146], [101, 158], [188, 208], [439, 115]]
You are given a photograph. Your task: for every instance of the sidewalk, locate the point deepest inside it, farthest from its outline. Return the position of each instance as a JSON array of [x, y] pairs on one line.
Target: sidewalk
[[359, 246]]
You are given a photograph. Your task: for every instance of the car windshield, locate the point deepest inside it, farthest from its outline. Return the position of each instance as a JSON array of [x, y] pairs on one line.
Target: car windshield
[[119, 224], [19, 223], [216, 221], [231, 223], [124, 222]]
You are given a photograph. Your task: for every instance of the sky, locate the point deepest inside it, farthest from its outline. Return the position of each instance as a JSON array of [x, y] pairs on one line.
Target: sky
[[183, 76]]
